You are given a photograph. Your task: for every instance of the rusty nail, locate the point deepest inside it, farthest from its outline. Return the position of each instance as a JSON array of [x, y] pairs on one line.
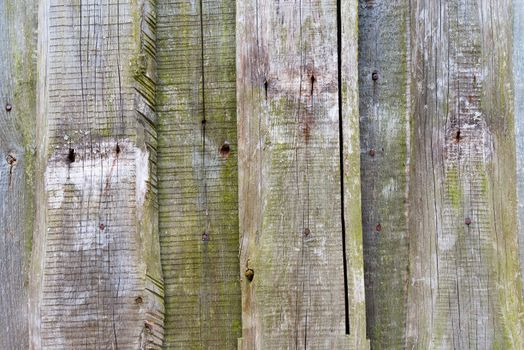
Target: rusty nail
[[102, 226], [8, 107], [249, 274], [374, 76], [372, 152], [378, 227], [467, 221]]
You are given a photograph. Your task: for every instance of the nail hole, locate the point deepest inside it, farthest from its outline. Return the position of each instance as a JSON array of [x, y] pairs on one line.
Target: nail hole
[[378, 228], [374, 75], [8, 107], [225, 149], [372, 152], [139, 300], [307, 232], [458, 136], [204, 122], [102, 226], [250, 274], [205, 237], [11, 160], [71, 156]]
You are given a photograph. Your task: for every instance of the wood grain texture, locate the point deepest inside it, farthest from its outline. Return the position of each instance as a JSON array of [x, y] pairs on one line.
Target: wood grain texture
[[96, 269], [17, 130], [465, 287], [198, 173], [518, 69], [290, 176], [384, 127]]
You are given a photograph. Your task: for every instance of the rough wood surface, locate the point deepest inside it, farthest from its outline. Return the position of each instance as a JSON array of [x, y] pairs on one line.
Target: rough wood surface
[[384, 130], [97, 280], [17, 115], [518, 69], [198, 173], [291, 228], [464, 289]]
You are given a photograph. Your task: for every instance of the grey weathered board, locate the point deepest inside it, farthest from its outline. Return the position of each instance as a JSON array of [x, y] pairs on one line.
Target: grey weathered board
[[464, 289], [518, 69], [197, 171], [17, 115], [96, 279], [384, 127], [296, 291]]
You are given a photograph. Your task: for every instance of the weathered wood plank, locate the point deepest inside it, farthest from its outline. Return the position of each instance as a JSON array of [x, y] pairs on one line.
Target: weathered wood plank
[[97, 279], [384, 163], [17, 130], [198, 173], [349, 132], [292, 239], [465, 286], [518, 68]]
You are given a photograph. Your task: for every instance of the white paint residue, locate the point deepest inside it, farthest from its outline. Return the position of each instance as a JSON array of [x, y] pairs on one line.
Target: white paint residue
[[142, 176]]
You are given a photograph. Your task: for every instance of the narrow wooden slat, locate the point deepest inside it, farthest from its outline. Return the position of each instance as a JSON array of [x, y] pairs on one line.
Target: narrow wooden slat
[[198, 173], [17, 130], [518, 69], [292, 251], [96, 263], [384, 126]]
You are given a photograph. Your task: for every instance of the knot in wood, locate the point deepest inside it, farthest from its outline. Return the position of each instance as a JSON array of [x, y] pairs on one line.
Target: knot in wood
[[250, 274]]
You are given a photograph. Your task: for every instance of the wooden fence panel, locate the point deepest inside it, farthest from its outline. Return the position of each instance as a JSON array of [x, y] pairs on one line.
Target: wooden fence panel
[[96, 262], [198, 173], [384, 138], [17, 149], [464, 288], [296, 227]]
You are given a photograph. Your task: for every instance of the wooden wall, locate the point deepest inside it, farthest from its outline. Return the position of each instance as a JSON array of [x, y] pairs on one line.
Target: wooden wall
[[261, 174]]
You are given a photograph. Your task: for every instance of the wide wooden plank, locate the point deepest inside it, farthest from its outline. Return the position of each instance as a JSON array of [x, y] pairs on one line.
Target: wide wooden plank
[[295, 283], [197, 167], [17, 145], [465, 286], [384, 127], [97, 280]]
